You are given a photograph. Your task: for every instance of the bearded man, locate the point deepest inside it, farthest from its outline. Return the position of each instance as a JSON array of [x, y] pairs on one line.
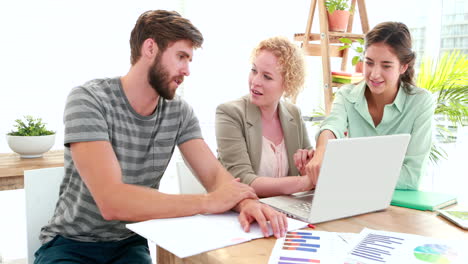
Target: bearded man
[[120, 134]]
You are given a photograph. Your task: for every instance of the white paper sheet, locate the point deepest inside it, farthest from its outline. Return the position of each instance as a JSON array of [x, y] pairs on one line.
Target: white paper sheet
[[309, 246], [389, 247], [191, 235]]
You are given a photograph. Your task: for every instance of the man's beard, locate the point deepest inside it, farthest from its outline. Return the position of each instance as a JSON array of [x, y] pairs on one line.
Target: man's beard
[[159, 79]]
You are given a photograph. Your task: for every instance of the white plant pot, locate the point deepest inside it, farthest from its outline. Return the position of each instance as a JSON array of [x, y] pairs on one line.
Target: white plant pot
[[30, 147]]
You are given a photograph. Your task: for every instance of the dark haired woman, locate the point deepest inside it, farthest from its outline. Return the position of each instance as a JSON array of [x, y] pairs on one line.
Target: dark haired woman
[[386, 103]]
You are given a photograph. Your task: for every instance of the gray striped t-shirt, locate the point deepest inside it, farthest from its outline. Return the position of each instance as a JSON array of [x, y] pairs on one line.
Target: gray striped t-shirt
[[99, 110]]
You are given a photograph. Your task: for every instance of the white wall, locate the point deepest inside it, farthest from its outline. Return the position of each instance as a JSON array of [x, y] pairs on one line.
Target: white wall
[[49, 46]]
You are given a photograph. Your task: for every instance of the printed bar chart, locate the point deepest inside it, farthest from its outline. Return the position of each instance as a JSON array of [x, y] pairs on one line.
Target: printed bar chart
[[376, 247], [313, 247], [301, 241]]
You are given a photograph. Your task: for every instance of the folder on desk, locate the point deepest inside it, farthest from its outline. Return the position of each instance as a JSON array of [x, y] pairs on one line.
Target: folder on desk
[[422, 200]]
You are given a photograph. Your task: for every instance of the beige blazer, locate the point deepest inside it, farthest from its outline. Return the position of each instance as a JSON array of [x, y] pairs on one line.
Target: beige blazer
[[239, 136]]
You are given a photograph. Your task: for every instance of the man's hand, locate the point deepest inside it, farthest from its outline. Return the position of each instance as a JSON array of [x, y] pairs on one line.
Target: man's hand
[[252, 210], [301, 158], [227, 195]]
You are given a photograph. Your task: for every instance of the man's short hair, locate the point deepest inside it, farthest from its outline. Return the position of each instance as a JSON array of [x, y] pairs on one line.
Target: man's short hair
[[164, 27]]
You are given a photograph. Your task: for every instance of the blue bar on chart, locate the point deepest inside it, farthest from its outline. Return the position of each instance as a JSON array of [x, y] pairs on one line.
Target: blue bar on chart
[[301, 241], [295, 240], [300, 249], [291, 260], [376, 247], [301, 235], [302, 245]]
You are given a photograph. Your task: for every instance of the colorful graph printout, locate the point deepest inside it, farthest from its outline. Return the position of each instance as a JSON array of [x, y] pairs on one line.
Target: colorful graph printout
[[435, 253], [301, 241], [376, 247], [300, 247], [373, 246]]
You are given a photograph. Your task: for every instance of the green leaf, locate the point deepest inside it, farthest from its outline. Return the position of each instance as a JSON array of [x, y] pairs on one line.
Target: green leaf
[[437, 153], [32, 127], [345, 40], [344, 47], [355, 60], [333, 5], [447, 78]]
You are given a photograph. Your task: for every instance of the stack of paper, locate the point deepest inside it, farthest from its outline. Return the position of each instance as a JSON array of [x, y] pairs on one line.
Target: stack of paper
[[370, 246], [374, 246], [191, 235], [346, 77]]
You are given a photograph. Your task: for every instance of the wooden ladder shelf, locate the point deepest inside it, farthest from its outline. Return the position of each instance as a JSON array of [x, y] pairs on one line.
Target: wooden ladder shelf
[[326, 43]]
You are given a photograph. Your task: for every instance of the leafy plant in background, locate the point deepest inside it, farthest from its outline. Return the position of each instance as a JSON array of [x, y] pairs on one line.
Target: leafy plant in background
[[357, 46], [333, 5], [32, 127], [447, 78], [317, 116]]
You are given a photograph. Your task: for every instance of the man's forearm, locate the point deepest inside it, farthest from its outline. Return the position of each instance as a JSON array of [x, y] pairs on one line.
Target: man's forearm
[[128, 202]]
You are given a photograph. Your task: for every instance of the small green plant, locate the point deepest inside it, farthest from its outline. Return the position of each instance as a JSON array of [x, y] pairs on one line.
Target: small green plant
[[32, 127], [357, 46], [333, 5]]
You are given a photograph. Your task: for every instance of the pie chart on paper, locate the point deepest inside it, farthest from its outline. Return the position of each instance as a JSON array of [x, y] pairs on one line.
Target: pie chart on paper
[[435, 253]]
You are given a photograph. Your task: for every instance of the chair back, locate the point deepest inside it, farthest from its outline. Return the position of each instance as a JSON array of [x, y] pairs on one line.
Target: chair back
[[188, 182], [41, 188]]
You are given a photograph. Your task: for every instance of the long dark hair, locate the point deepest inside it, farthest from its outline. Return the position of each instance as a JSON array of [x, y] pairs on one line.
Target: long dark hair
[[398, 37], [164, 27]]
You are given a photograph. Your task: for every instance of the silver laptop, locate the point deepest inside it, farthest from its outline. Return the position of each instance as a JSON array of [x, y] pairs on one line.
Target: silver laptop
[[358, 175]]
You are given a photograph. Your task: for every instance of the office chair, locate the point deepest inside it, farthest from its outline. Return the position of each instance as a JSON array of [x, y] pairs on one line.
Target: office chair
[[188, 183], [41, 188]]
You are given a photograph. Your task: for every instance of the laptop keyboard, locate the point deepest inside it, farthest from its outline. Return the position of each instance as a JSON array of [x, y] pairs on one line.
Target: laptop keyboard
[[305, 206]]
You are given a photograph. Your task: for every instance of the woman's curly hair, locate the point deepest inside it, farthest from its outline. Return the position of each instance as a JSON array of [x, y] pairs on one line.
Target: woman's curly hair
[[291, 61]]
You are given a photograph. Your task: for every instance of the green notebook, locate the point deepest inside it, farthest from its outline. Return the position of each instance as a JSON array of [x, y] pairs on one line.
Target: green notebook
[[422, 200]]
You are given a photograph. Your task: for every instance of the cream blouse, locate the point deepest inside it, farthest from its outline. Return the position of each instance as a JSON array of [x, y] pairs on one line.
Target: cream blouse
[[274, 159]]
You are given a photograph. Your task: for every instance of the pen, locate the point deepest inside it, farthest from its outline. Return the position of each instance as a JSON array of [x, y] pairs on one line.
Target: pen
[[311, 226]]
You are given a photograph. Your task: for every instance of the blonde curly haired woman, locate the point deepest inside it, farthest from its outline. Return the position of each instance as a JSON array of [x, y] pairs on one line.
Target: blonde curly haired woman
[[262, 138]]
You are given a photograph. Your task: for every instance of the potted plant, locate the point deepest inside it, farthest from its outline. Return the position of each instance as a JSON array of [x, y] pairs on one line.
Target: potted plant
[[358, 47], [338, 14], [31, 138], [447, 79]]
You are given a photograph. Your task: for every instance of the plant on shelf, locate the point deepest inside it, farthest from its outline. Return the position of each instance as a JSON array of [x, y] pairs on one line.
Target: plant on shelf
[[32, 127], [333, 5], [338, 14], [447, 79], [31, 138], [357, 46]]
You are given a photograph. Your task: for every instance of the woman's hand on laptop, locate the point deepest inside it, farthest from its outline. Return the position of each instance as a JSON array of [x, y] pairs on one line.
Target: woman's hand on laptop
[[301, 158], [313, 167]]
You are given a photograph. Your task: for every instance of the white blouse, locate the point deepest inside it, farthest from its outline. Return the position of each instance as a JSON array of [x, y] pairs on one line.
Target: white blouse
[[274, 159]]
